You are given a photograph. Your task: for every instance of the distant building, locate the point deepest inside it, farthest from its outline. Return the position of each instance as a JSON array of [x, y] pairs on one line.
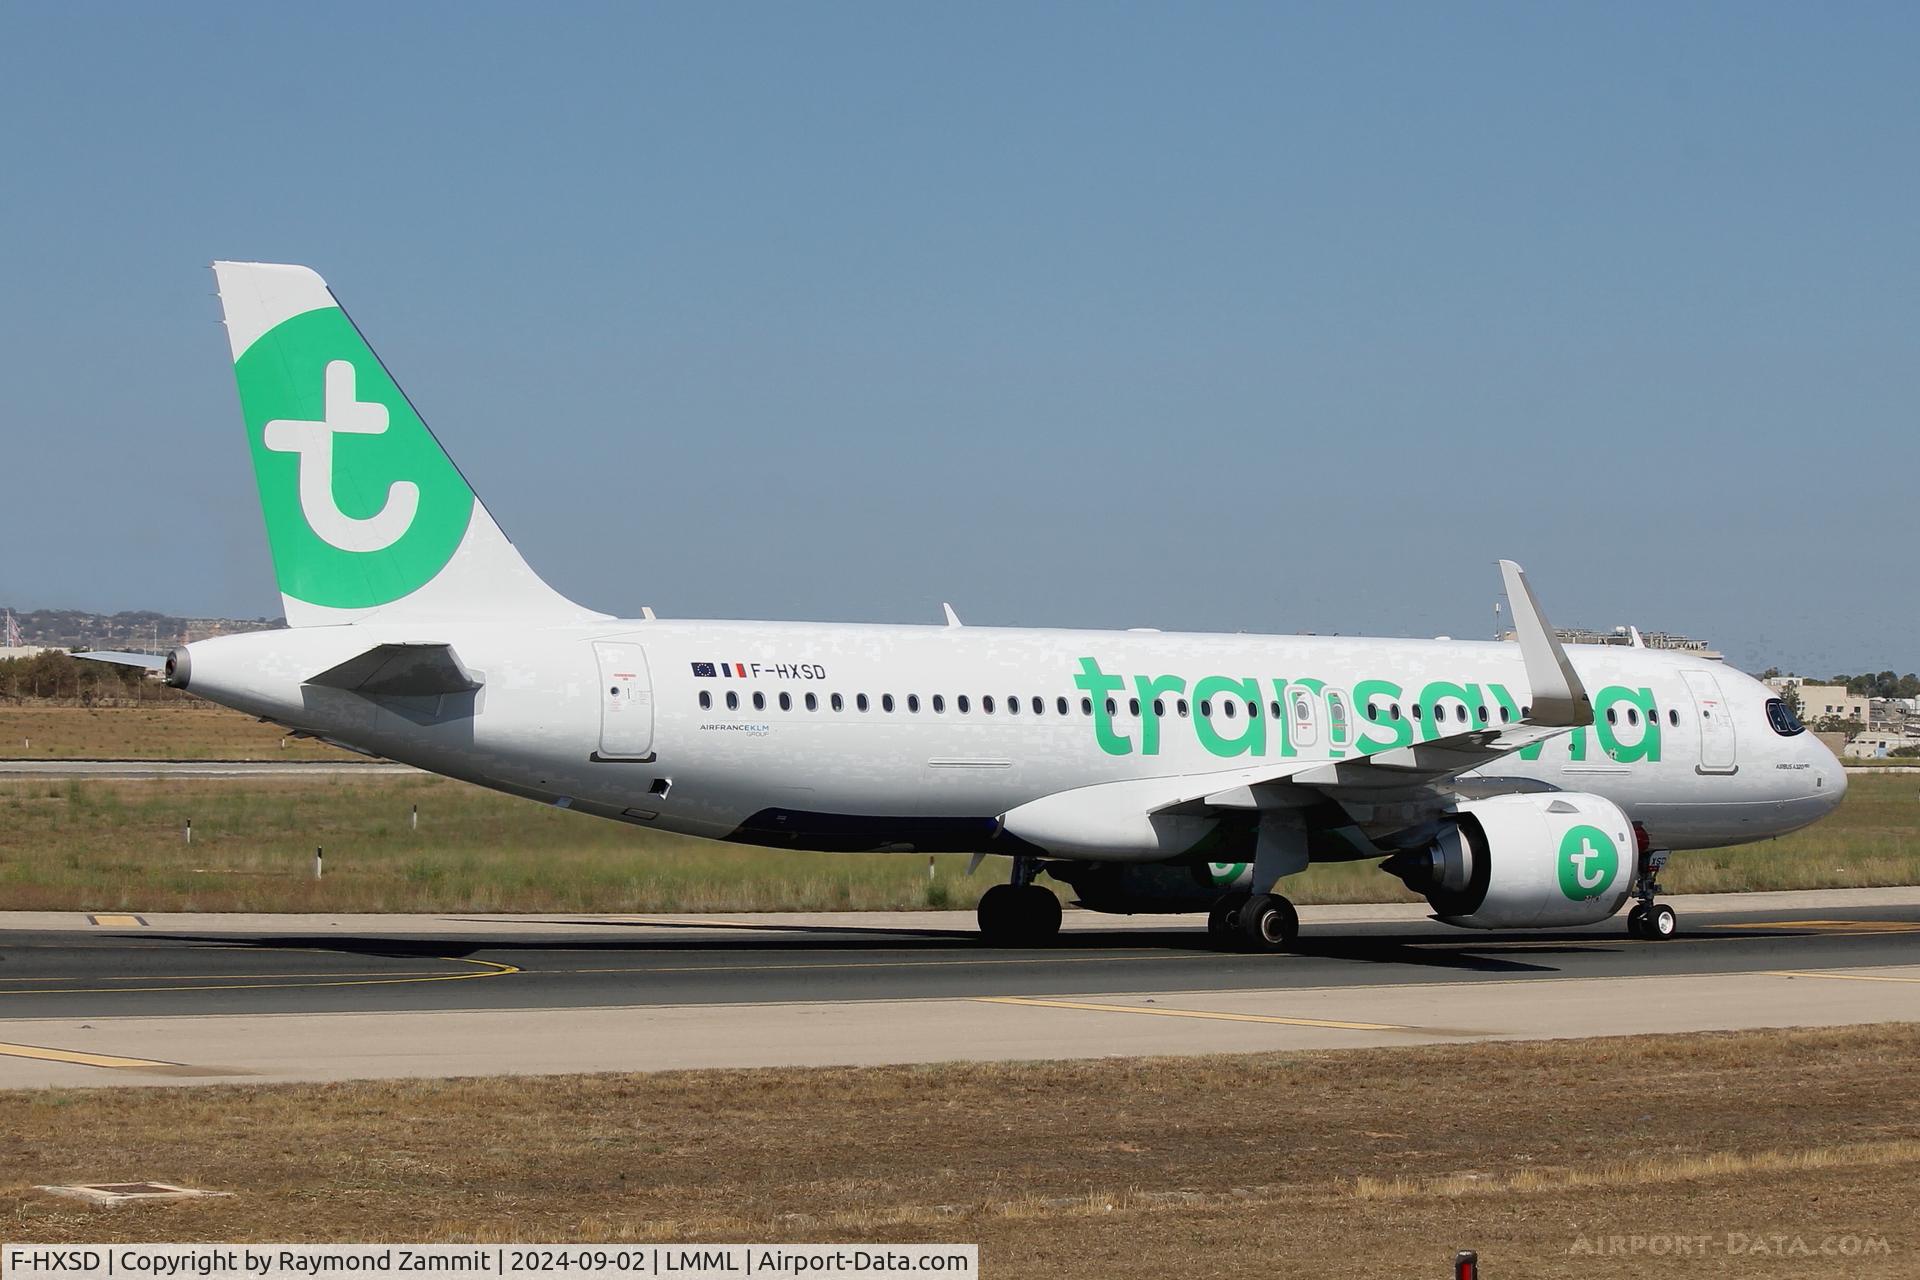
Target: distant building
[[1874, 745], [11, 651], [1821, 701], [1627, 636]]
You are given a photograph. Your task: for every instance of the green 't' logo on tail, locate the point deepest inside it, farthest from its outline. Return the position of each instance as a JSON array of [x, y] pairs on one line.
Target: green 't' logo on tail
[[1588, 862], [362, 505]]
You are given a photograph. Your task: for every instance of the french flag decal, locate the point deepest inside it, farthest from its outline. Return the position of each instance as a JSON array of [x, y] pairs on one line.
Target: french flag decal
[[730, 670]]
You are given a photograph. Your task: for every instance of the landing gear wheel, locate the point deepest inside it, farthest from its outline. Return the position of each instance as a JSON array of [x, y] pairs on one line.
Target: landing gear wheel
[[1019, 915], [1268, 923], [1223, 922], [1660, 922], [1637, 920]]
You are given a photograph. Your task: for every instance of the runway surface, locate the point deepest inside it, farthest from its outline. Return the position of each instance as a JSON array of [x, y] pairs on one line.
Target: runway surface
[[118, 999], [199, 768]]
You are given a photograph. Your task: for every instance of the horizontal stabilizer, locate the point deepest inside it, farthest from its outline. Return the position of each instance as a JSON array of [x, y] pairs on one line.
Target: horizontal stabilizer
[[400, 671], [151, 661]]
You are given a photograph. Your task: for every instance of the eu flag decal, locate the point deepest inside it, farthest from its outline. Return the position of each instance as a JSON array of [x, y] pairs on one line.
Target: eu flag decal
[[703, 669]]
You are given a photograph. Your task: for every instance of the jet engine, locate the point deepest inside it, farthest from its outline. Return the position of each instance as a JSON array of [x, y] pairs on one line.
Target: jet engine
[[1525, 862]]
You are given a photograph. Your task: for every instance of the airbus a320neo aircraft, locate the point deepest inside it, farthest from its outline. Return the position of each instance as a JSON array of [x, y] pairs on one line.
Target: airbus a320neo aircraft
[[1514, 785]]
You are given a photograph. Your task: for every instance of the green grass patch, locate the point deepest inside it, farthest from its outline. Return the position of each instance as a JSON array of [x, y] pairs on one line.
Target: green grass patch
[[120, 845]]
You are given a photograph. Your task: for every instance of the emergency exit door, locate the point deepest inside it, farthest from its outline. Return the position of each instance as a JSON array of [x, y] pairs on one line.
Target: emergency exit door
[[626, 702]]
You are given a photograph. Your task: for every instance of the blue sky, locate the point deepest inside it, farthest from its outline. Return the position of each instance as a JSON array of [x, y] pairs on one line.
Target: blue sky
[[1262, 317]]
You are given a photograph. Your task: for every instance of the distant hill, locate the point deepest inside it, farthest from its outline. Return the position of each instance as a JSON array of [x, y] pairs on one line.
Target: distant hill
[[137, 629]]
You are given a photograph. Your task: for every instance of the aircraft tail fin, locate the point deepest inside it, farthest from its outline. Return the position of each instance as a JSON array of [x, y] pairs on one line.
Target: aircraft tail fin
[[366, 514]]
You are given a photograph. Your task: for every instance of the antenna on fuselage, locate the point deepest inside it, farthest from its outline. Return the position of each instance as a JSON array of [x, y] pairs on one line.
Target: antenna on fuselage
[[953, 619]]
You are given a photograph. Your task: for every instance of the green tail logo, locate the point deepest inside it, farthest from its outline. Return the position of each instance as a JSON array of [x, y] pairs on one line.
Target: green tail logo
[[362, 504]]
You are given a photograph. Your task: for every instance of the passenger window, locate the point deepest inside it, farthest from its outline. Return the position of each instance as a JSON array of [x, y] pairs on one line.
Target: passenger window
[[913, 702], [1206, 706], [1673, 717], [1460, 713], [960, 704], [733, 700], [1253, 711], [1112, 709], [1482, 714], [886, 702], [813, 703], [1159, 706], [1393, 711], [1612, 717], [838, 703], [786, 702], [986, 705], [1373, 713], [1013, 705], [1039, 705], [1633, 715], [1416, 711], [1274, 707], [1086, 706], [939, 703], [759, 701], [1505, 715], [706, 700], [860, 701], [1181, 707], [1133, 706], [1060, 705]]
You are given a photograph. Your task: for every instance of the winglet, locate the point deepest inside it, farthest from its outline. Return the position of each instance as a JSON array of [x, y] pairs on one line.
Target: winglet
[[953, 619], [1558, 696]]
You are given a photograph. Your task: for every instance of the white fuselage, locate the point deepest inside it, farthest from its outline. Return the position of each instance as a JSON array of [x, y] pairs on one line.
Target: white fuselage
[[619, 718]]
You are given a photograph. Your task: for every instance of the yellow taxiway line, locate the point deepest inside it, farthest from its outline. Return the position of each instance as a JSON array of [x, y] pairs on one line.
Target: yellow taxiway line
[[1841, 977], [43, 1054], [1193, 1013]]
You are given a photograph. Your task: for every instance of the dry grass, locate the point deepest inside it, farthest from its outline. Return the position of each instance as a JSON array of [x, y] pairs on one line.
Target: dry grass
[[118, 845], [1361, 1163], [186, 730]]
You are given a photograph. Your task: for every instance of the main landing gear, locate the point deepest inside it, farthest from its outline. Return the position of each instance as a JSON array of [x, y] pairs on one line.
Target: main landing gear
[[1020, 914], [1258, 922], [1650, 920]]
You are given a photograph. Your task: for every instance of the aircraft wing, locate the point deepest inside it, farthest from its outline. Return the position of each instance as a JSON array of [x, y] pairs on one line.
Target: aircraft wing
[[1123, 814]]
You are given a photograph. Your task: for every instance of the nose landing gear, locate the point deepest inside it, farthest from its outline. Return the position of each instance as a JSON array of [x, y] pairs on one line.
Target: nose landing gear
[[1650, 920]]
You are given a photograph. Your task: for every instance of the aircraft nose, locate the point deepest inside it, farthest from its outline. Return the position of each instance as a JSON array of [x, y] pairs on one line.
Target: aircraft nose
[[1833, 779]]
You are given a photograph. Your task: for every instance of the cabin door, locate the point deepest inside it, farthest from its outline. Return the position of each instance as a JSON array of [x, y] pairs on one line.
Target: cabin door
[[626, 702]]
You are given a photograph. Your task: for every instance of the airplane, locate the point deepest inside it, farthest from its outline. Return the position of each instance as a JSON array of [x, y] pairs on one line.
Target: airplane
[[1514, 785]]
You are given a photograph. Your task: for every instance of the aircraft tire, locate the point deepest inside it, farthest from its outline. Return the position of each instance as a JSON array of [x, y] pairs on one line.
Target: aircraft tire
[[1661, 923], [1018, 916], [1268, 923], [1223, 923], [1637, 920]]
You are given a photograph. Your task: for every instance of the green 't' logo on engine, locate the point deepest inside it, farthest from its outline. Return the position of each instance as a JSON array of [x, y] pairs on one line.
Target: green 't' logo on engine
[[362, 505], [1589, 861]]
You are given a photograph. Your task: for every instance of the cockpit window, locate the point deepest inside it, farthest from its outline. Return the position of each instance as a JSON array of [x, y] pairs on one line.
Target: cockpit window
[[1781, 717]]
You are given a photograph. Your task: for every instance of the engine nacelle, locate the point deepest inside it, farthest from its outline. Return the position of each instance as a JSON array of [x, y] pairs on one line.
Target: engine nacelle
[[1526, 862]]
